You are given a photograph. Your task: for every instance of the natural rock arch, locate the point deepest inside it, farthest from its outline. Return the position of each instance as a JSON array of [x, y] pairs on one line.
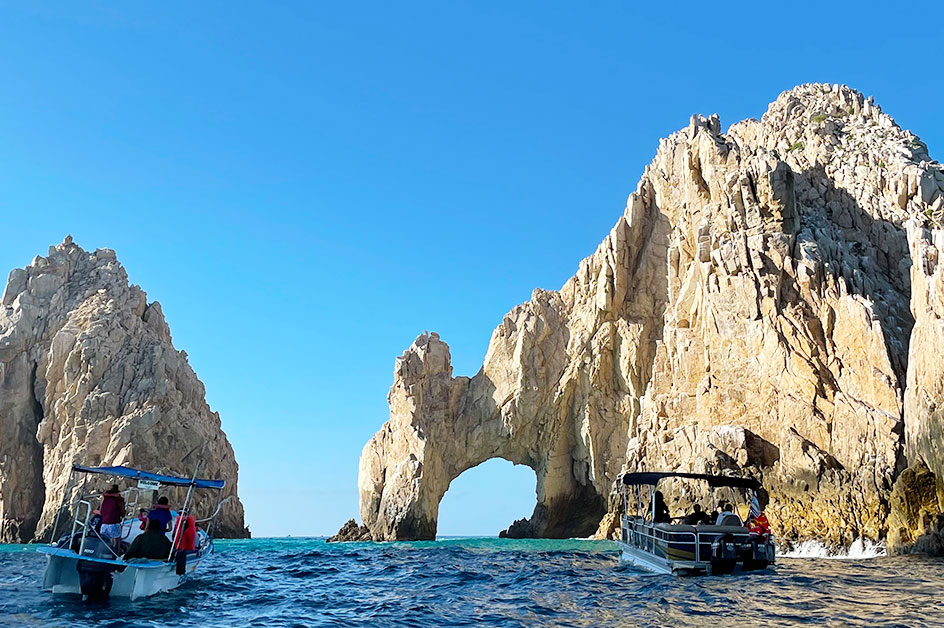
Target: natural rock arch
[[442, 426], [748, 313]]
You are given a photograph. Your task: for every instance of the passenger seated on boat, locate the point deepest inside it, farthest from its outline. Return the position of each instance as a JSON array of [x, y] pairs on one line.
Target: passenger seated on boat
[[151, 544], [113, 512], [662, 511], [95, 521], [142, 517], [727, 516], [161, 513], [697, 516]]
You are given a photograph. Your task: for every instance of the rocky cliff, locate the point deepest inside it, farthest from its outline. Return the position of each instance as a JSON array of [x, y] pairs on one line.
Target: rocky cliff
[[753, 310], [88, 374]]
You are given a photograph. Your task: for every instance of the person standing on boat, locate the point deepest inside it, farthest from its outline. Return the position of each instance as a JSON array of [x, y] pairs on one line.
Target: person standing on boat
[[662, 511], [112, 511], [153, 543], [160, 513]]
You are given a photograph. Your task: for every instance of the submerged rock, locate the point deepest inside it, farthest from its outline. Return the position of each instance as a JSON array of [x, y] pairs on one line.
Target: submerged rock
[[89, 375], [748, 313]]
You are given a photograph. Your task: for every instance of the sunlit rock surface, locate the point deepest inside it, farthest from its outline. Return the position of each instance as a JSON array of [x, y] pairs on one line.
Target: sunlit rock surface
[[88, 374], [750, 312]]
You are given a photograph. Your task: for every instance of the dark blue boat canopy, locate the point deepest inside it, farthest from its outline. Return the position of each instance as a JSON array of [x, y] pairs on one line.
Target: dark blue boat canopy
[[652, 478], [170, 480]]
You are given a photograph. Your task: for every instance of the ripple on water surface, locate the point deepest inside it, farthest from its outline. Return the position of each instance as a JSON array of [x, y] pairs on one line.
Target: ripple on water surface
[[496, 582]]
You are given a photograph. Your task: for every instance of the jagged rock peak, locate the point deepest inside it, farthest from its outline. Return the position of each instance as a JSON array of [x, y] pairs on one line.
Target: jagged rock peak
[[89, 374]]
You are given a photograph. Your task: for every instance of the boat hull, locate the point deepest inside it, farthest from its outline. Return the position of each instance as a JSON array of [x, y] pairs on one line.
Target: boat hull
[[132, 580], [656, 564]]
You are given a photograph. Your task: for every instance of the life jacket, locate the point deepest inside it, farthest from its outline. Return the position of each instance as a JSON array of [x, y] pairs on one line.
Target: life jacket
[[186, 538], [162, 513], [760, 525], [763, 523]]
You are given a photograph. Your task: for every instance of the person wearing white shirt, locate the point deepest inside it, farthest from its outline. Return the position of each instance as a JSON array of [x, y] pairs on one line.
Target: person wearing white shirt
[[727, 516]]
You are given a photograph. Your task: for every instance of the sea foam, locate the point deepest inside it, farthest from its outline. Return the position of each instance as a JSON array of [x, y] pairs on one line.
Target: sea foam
[[860, 549]]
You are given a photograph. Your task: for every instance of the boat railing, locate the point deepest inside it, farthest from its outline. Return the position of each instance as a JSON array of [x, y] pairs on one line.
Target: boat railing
[[84, 524], [219, 507], [642, 529]]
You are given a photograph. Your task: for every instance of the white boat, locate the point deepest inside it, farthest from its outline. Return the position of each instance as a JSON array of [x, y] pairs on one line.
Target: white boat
[[676, 548], [83, 562]]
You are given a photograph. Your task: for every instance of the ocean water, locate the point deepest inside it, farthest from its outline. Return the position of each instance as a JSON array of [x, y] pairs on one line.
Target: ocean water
[[488, 581]]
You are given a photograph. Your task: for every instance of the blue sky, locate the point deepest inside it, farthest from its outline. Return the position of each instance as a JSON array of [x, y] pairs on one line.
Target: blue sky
[[306, 187]]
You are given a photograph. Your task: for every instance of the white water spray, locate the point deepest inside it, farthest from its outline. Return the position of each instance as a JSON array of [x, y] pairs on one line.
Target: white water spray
[[860, 549]]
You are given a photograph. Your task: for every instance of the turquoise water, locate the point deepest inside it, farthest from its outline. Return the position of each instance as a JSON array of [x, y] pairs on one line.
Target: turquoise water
[[488, 581]]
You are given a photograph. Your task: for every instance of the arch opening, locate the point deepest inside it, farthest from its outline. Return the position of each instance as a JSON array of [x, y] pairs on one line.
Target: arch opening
[[486, 499]]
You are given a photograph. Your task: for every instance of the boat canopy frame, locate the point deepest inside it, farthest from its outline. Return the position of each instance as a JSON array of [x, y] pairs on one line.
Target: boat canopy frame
[[651, 478], [136, 474]]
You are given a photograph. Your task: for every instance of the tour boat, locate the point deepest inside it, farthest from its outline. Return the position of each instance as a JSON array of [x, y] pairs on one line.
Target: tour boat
[[82, 561], [703, 549]]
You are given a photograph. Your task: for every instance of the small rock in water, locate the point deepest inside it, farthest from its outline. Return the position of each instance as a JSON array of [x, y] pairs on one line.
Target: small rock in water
[[350, 531]]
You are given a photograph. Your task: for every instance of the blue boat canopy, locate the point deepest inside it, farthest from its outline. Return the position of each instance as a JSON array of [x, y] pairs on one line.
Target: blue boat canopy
[[170, 480]]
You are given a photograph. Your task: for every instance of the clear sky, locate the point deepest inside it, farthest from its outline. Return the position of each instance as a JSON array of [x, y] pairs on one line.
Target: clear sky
[[307, 186]]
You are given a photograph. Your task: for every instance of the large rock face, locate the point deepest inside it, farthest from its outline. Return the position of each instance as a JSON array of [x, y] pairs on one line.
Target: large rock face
[[919, 493], [751, 311], [88, 374]]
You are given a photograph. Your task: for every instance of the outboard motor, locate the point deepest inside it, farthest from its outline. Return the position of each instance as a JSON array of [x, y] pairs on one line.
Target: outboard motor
[[95, 578], [724, 554], [755, 554]]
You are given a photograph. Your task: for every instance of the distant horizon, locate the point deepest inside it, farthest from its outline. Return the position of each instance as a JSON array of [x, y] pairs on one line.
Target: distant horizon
[[307, 188]]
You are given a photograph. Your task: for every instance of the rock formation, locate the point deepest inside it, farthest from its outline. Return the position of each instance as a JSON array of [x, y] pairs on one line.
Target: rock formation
[[918, 520], [351, 532], [750, 312], [88, 374]]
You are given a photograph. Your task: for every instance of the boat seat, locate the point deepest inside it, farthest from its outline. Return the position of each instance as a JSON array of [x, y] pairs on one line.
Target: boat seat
[[675, 527], [720, 529]]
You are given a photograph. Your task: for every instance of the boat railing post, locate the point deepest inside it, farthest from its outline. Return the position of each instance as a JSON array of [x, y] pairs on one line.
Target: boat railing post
[[219, 503], [132, 510], [75, 518], [88, 513], [183, 512]]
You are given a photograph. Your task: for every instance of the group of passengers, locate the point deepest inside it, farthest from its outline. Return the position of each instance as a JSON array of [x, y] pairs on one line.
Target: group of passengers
[[156, 522], [724, 515]]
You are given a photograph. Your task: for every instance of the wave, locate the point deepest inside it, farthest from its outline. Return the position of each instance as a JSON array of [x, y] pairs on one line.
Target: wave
[[860, 549]]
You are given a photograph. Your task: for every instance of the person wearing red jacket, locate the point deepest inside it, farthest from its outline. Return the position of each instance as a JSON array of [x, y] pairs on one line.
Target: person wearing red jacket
[[759, 525]]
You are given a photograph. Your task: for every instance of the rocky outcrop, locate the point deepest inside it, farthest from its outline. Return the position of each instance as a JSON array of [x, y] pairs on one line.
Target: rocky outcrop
[[351, 532], [88, 374], [916, 523], [748, 313]]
